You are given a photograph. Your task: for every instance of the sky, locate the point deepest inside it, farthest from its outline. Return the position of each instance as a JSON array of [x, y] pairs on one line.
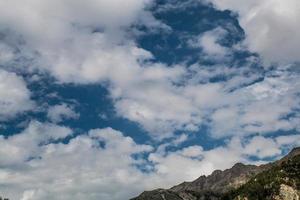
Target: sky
[[103, 99]]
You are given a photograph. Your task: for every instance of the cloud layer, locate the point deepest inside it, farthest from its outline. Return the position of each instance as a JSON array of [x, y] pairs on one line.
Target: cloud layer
[[251, 107], [105, 164], [85, 44]]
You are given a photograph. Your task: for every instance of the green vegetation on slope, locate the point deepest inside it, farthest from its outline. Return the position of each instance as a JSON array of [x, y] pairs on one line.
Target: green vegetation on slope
[[266, 184]]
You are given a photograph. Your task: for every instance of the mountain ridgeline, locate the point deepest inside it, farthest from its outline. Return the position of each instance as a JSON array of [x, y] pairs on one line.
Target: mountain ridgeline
[[279, 180]]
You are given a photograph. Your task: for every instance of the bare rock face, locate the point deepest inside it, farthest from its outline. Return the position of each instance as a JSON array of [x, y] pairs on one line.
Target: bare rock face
[[287, 193], [241, 198], [159, 194]]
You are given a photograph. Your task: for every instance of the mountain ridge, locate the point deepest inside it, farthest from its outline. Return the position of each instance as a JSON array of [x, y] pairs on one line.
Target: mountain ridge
[[220, 183]]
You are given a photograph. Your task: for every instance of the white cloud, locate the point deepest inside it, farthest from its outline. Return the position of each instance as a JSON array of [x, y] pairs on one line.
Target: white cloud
[[14, 95], [72, 52], [70, 49], [6, 53], [103, 163], [27, 195], [154, 101], [37, 168], [231, 107], [261, 107], [192, 152], [210, 43], [61, 112], [224, 121], [271, 27], [18, 148], [262, 147], [288, 140]]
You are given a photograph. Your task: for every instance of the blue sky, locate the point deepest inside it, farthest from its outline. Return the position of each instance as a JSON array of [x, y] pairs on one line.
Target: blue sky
[[105, 99]]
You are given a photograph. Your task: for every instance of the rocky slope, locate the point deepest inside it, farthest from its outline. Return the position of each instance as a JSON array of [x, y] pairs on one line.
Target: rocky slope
[[279, 180]]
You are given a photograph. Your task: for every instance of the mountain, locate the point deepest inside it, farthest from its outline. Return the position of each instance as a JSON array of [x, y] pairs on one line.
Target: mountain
[[279, 180]]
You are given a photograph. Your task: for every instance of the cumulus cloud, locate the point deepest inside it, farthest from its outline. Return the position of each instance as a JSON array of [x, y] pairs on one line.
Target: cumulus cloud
[[287, 140], [87, 44], [271, 27], [24, 146], [261, 107], [238, 106], [14, 95], [162, 100], [90, 42], [154, 101], [262, 147], [85, 40], [61, 112], [210, 44], [98, 165]]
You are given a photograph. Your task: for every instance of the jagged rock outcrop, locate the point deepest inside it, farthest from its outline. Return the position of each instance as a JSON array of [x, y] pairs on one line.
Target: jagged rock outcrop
[[287, 193], [279, 180], [159, 194]]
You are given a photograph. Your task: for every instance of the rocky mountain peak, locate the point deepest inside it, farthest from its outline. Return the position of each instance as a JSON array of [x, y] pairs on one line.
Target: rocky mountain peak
[[294, 152]]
